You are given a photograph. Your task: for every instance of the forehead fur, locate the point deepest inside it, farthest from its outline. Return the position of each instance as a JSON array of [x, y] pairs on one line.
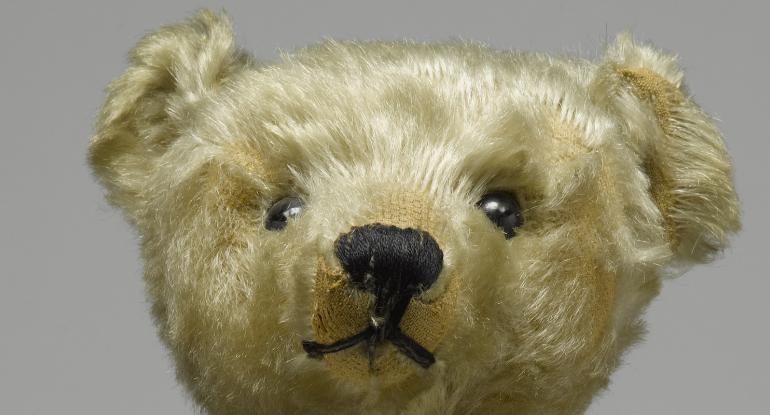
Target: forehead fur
[[452, 112]]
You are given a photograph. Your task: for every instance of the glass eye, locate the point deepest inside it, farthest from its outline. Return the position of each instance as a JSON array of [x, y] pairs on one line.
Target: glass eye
[[279, 214], [503, 210]]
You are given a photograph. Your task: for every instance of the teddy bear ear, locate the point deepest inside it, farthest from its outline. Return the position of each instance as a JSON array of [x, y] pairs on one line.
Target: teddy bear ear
[[169, 71], [679, 147]]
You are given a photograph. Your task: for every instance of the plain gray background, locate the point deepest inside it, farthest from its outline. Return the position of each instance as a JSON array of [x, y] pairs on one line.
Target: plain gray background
[[75, 333]]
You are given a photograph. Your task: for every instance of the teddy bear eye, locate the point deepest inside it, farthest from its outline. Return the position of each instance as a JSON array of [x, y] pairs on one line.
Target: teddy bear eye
[[279, 214], [503, 210]]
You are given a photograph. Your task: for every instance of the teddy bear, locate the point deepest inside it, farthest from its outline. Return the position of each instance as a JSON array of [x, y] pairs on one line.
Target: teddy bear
[[402, 227]]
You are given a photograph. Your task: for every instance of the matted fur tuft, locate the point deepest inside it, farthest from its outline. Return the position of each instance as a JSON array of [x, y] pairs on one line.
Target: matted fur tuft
[[618, 172]]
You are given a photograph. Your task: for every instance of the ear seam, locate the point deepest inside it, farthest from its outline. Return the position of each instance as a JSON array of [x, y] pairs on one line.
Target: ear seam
[[686, 162], [655, 90], [662, 96]]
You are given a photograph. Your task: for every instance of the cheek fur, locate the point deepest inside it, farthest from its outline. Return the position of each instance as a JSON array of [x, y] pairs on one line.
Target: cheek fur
[[231, 299]]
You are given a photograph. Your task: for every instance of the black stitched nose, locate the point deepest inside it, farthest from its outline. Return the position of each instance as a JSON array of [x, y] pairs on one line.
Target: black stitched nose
[[388, 261]]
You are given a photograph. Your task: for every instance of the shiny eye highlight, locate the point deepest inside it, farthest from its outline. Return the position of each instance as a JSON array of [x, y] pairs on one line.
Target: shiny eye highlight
[[279, 214], [503, 210]]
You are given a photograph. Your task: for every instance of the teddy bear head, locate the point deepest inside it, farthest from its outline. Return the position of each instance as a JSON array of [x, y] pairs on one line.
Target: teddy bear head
[[441, 228]]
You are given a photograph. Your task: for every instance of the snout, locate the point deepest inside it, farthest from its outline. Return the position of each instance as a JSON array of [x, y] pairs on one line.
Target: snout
[[393, 265], [387, 300]]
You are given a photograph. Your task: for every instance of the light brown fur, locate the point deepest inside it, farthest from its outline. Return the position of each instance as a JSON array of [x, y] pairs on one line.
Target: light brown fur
[[620, 176]]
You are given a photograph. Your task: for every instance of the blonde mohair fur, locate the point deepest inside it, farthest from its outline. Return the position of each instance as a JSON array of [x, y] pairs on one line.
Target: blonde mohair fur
[[620, 175]]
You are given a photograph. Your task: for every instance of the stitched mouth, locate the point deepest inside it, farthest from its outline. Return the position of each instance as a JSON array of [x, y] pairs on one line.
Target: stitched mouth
[[376, 334], [385, 317], [365, 333]]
